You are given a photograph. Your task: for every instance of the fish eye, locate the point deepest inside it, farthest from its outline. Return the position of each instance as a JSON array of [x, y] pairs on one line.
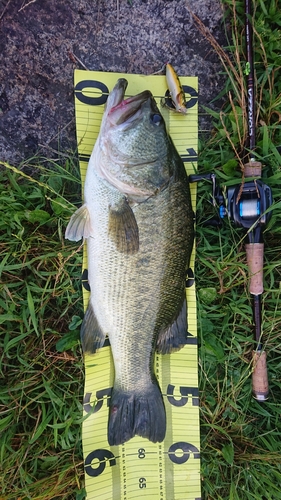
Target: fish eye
[[156, 118]]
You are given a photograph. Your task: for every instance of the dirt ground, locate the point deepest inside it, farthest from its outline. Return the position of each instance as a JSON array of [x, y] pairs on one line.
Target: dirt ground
[[43, 41]]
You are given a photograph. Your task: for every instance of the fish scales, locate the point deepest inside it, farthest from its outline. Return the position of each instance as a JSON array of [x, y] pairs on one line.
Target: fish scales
[[127, 289], [138, 222]]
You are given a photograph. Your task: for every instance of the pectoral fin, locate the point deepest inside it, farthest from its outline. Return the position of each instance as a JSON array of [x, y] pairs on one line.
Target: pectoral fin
[[79, 225], [123, 228], [92, 336], [174, 337]]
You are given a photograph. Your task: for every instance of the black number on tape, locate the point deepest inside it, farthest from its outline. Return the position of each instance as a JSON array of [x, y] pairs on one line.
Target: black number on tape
[[96, 88], [104, 457], [100, 395], [85, 282], [141, 453], [185, 449], [142, 482], [184, 392], [193, 96], [190, 156], [189, 281]]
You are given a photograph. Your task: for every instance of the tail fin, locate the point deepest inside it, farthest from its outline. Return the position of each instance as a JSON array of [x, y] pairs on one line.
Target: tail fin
[[133, 414]]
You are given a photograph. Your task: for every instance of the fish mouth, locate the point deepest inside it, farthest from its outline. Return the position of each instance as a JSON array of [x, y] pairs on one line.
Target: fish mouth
[[127, 110]]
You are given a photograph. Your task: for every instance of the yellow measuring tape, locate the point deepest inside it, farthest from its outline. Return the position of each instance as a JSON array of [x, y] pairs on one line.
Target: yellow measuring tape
[[140, 469]]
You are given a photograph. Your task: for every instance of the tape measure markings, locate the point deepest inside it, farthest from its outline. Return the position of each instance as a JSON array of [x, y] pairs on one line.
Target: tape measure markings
[[141, 469]]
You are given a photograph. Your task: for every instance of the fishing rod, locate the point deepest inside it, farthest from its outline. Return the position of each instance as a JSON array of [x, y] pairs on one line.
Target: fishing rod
[[247, 206], [255, 203]]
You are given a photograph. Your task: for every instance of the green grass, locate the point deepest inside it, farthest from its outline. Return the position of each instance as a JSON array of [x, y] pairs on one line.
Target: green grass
[[241, 455], [41, 306], [40, 301], [240, 442]]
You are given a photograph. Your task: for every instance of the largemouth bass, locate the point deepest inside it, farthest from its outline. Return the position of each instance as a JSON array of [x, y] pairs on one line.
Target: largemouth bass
[[138, 222]]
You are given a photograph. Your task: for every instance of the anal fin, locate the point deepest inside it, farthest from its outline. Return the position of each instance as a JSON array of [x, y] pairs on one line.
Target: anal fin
[[92, 336], [174, 337]]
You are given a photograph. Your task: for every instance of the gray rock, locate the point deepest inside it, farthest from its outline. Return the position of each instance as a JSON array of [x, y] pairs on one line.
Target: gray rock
[[42, 42]]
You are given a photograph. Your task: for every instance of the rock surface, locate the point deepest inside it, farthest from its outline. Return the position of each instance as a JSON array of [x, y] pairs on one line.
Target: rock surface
[[43, 41]]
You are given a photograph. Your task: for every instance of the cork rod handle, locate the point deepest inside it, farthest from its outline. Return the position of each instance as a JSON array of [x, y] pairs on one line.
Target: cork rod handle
[[254, 252], [259, 376]]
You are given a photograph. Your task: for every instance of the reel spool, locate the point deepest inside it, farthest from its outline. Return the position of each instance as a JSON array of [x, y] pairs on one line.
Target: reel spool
[[250, 206]]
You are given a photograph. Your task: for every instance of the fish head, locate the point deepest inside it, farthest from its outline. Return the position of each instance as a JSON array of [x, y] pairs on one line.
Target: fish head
[[135, 128], [134, 141]]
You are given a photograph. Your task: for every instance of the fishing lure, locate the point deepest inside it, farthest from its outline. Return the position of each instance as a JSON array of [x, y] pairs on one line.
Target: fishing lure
[[176, 91]]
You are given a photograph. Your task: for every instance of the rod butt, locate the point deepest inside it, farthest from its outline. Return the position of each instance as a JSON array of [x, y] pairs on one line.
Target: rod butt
[[259, 376]]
